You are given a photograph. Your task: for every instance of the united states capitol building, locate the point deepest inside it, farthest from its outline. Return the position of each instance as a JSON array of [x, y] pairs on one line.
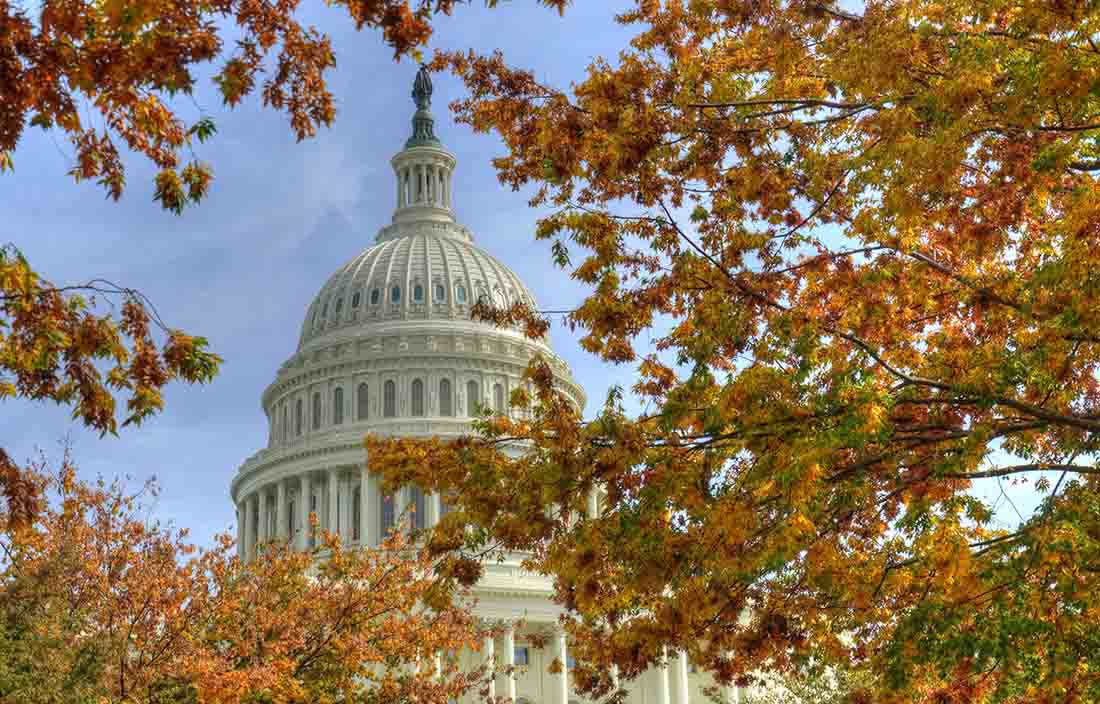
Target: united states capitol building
[[388, 347]]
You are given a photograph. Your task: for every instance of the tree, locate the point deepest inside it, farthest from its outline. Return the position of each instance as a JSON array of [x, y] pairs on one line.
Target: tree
[[123, 62], [57, 344], [866, 240], [811, 685], [99, 604]]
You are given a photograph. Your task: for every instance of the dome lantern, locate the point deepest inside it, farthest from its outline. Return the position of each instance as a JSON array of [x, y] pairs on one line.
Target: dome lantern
[[423, 169]]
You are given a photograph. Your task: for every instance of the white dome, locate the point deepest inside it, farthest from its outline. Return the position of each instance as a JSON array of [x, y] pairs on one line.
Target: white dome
[[417, 272]]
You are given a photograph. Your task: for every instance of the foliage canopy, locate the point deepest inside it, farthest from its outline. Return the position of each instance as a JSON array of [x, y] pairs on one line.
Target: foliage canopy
[[99, 604], [866, 239]]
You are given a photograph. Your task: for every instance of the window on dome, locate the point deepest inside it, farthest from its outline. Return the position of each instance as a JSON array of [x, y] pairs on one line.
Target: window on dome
[[362, 402], [440, 293], [337, 406], [355, 299], [316, 411], [387, 514], [460, 293], [418, 293], [356, 512], [286, 425], [314, 321], [419, 507], [298, 417], [395, 294], [389, 400], [290, 514], [473, 398], [417, 397], [375, 297], [498, 398], [446, 407], [339, 304], [324, 310]]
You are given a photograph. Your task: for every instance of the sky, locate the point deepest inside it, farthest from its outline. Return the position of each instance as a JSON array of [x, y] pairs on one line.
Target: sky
[[242, 267]]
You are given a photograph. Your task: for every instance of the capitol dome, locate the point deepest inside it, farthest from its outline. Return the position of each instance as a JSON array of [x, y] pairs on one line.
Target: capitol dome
[[388, 347], [417, 273]]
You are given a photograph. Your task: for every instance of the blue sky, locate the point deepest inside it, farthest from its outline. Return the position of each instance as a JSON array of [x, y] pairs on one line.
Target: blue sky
[[242, 267]]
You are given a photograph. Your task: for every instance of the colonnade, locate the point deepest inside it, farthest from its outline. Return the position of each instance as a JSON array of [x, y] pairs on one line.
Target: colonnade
[[672, 674], [346, 500], [423, 183]]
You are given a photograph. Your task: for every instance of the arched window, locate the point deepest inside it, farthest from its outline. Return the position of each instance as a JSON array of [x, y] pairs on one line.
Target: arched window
[[286, 424], [316, 411], [362, 401], [417, 397], [395, 294], [389, 400], [298, 417], [337, 406], [419, 507], [473, 398], [446, 407], [356, 512], [418, 293], [339, 304], [375, 297], [324, 310], [440, 293], [498, 398], [460, 293], [387, 514], [355, 299]]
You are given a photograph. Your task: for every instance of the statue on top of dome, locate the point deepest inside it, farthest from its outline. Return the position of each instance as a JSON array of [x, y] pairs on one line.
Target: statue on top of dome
[[423, 123], [422, 88]]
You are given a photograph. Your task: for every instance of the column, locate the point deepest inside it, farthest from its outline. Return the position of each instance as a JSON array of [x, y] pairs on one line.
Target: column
[[438, 666], [333, 497], [281, 529], [345, 507], [510, 662], [401, 507], [490, 662], [399, 199], [437, 507], [366, 536], [242, 508], [682, 678], [251, 529], [261, 534], [563, 676], [615, 676], [662, 678], [731, 693], [303, 512], [593, 503]]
